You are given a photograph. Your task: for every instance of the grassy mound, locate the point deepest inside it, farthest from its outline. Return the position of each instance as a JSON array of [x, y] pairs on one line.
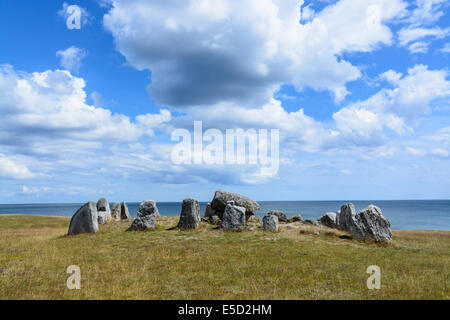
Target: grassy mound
[[211, 264]]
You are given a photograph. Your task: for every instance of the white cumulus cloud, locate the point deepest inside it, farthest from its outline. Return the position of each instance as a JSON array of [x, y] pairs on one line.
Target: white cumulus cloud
[[10, 169], [71, 58], [205, 53]]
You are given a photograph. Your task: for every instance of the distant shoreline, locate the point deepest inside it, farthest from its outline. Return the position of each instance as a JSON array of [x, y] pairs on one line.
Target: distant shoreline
[[403, 215], [49, 216], [32, 215]]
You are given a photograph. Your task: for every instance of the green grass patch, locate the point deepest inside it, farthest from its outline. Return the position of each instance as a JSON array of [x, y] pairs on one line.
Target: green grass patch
[[212, 264]]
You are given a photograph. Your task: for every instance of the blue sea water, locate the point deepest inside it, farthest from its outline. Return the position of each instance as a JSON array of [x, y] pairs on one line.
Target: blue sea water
[[403, 214]]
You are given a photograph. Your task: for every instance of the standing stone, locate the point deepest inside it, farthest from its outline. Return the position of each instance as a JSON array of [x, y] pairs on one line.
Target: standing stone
[[221, 199], [190, 214], [328, 219], [270, 223], [281, 216], [85, 220], [103, 210], [370, 224], [233, 217], [146, 217], [124, 213], [115, 212], [209, 212], [345, 216]]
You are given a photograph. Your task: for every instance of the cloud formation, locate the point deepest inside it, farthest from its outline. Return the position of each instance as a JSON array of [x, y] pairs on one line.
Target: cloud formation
[[46, 113], [394, 108], [71, 58], [421, 27], [201, 53], [10, 169]]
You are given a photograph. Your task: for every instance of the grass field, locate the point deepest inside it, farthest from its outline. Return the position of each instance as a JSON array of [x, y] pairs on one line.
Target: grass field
[[212, 264]]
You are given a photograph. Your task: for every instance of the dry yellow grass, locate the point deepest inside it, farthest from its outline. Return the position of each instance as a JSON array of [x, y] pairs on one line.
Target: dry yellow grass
[[212, 264]]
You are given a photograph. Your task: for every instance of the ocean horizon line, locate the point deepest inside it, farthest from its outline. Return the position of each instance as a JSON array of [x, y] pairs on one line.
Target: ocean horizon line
[[206, 201], [403, 214]]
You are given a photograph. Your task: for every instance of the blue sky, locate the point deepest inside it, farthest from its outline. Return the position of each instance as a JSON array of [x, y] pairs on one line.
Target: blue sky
[[358, 89]]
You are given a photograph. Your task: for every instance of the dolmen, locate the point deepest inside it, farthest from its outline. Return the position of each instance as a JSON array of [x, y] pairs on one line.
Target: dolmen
[[120, 211], [369, 224], [190, 214], [216, 208], [146, 217], [104, 211], [85, 220]]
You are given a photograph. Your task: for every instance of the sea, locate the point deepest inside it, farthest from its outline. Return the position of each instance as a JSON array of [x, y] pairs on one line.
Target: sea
[[403, 214]]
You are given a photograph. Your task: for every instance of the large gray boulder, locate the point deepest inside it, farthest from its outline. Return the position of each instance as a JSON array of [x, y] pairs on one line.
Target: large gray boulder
[[221, 199], [328, 219], [190, 214], [85, 220], [124, 213], [233, 217], [146, 217], [115, 211], [104, 211], [370, 224], [281, 216], [270, 223], [345, 216]]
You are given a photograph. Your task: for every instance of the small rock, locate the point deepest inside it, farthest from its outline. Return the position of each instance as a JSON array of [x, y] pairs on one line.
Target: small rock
[[316, 233], [233, 217], [296, 218], [281, 216], [190, 214], [311, 222], [328, 219], [216, 220], [85, 220], [270, 222], [253, 219]]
